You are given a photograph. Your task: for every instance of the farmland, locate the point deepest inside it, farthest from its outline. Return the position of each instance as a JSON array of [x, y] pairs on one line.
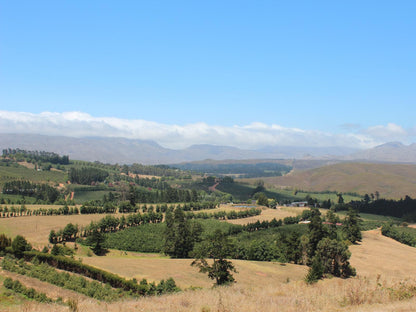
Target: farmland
[[139, 201]]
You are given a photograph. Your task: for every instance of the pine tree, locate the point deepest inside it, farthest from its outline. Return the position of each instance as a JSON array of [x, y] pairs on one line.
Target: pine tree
[[351, 226]]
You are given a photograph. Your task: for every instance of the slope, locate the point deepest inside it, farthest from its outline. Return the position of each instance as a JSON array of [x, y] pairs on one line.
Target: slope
[[390, 180]]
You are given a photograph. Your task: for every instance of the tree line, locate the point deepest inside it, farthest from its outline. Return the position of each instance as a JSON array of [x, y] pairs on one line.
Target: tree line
[[403, 208], [43, 192], [36, 156]]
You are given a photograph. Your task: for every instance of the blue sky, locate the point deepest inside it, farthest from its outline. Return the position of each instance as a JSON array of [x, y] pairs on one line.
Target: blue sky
[[330, 72]]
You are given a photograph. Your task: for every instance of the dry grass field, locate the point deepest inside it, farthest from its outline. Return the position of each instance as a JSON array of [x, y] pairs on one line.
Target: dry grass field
[[385, 279], [153, 267], [36, 228]]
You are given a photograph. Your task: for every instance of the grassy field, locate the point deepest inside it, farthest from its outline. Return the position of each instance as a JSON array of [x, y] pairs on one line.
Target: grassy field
[[36, 228], [384, 267], [390, 180], [385, 280]]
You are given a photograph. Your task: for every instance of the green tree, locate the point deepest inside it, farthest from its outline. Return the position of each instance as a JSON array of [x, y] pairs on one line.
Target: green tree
[[316, 271], [4, 242], [316, 232], [97, 240], [180, 234], [340, 198], [334, 256], [351, 226], [262, 199], [332, 219], [20, 245], [217, 247], [52, 237]]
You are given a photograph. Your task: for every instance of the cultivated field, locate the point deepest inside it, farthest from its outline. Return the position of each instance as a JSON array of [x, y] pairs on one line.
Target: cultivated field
[[385, 276]]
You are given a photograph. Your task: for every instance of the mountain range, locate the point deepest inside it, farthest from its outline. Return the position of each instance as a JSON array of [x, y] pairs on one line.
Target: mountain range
[[128, 151]]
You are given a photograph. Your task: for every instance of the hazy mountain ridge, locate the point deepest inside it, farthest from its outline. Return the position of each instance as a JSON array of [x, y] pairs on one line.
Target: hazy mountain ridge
[[127, 151]]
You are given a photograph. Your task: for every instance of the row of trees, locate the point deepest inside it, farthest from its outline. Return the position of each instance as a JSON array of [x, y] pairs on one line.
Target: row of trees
[[105, 225], [126, 207]]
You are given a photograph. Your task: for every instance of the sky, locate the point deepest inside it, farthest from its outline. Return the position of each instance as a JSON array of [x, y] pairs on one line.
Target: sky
[[240, 73]]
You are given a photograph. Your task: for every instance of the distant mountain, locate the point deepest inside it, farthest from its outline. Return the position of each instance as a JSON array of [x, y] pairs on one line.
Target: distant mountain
[[127, 151], [389, 152]]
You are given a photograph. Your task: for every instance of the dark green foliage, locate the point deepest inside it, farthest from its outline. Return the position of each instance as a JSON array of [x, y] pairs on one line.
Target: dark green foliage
[[96, 240], [19, 246], [262, 199], [316, 232], [351, 226], [403, 208], [316, 271], [87, 175], [403, 235], [179, 238], [43, 192], [217, 247], [4, 242], [334, 256]]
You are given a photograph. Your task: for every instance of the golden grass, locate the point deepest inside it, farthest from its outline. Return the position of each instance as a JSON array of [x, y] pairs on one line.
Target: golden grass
[[36, 229], [378, 254], [154, 268], [383, 284]]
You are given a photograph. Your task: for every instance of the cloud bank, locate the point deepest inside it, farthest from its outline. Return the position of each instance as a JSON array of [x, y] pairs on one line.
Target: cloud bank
[[254, 135]]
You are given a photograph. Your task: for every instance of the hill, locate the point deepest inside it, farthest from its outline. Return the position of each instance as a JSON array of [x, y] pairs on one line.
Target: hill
[[390, 180], [388, 152], [128, 151]]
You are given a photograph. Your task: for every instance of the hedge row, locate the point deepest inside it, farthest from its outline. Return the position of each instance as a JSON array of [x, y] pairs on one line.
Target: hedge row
[[72, 265]]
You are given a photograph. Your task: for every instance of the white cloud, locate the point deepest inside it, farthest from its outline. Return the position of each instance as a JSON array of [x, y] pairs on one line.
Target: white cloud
[[391, 131], [254, 135]]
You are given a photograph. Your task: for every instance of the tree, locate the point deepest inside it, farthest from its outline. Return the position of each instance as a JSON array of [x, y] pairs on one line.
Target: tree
[[52, 237], [316, 271], [217, 247], [340, 198], [20, 245], [334, 256], [180, 234], [316, 232], [97, 240], [4, 242], [332, 219], [351, 226], [262, 199]]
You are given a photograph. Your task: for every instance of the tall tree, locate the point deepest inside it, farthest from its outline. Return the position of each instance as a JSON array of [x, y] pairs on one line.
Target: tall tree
[[316, 232], [180, 234], [351, 226], [217, 247]]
